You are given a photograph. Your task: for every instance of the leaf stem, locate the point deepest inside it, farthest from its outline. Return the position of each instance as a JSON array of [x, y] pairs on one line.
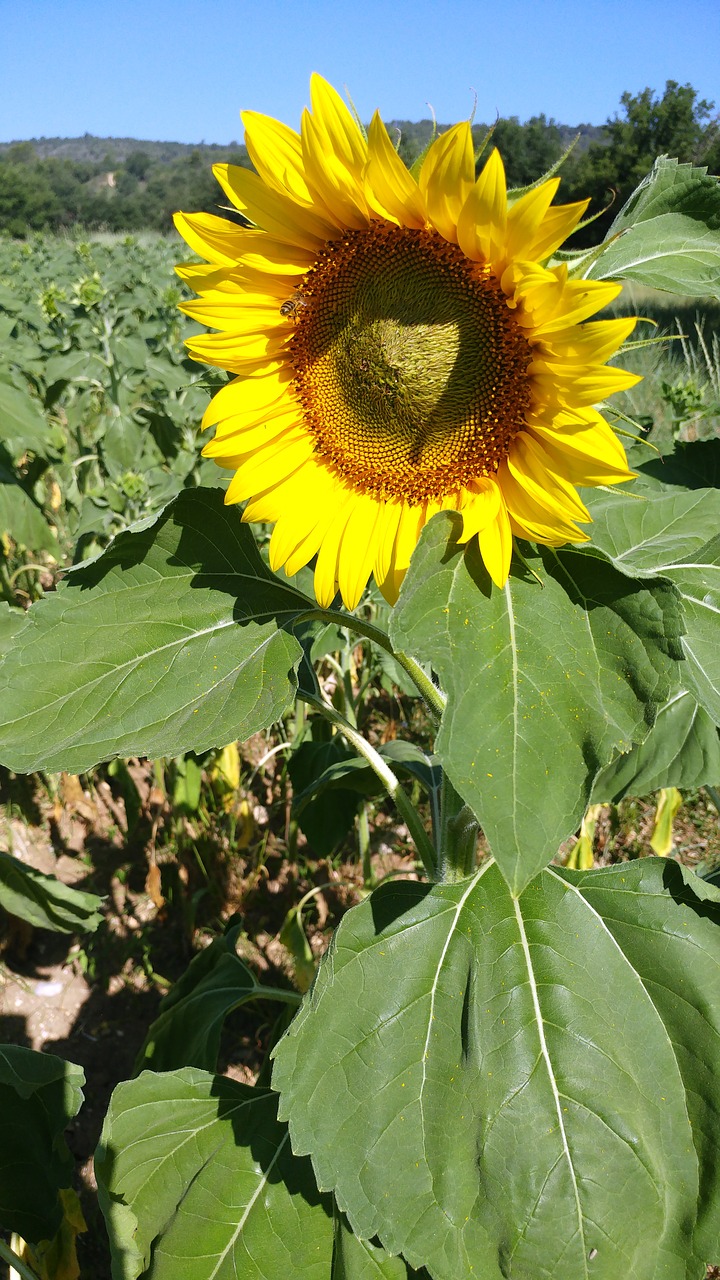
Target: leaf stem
[[433, 696], [8, 1255], [389, 780]]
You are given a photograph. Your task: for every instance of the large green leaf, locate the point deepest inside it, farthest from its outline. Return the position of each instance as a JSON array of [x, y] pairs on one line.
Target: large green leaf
[[171, 641], [693, 464], [11, 621], [667, 236], [681, 750], [44, 901], [545, 682], [39, 1095], [197, 1179], [187, 1031], [643, 532], [529, 1087], [668, 533], [356, 1259]]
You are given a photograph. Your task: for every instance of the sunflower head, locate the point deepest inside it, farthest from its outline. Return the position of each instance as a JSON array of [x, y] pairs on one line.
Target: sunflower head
[[399, 347]]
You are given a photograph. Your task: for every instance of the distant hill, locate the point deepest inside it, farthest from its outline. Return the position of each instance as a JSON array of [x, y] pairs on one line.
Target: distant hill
[[97, 150], [113, 152]]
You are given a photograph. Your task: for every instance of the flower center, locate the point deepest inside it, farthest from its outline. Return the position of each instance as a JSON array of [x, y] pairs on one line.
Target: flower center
[[409, 364]]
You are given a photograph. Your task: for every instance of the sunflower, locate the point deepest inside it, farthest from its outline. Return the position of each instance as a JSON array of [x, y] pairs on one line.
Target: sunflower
[[400, 347]]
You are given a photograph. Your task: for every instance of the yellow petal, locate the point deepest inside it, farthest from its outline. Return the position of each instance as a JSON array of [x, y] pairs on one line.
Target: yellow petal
[[328, 505], [266, 466], [526, 216], [582, 457], [276, 153], [592, 343], [358, 548], [447, 178], [391, 189], [338, 188], [559, 222], [558, 308], [271, 425], [549, 524], [526, 464], [483, 217], [299, 490], [235, 351], [481, 506], [224, 244], [298, 517], [246, 396], [391, 514], [242, 315], [277, 214], [496, 546], [326, 566], [571, 388], [336, 124]]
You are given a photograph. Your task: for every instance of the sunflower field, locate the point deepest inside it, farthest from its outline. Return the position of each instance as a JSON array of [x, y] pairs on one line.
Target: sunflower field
[[380, 763]]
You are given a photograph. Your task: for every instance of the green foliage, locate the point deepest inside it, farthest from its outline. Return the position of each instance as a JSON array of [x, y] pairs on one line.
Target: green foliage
[[676, 124], [137, 188], [55, 183], [546, 681], [39, 1095], [449, 1022], [43, 901], [667, 233], [510, 1069], [180, 620], [187, 1032], [681, 750], [196, 1174]]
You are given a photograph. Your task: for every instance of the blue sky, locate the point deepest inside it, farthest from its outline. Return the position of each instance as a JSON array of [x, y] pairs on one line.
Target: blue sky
[[182, 69]]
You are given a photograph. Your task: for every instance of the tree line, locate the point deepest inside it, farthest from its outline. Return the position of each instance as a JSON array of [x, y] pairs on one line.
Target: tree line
[[138, 186]]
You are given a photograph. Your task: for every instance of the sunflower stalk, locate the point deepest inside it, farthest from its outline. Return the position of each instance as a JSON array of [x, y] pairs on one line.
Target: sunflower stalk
[[458, 835], [390, 781]]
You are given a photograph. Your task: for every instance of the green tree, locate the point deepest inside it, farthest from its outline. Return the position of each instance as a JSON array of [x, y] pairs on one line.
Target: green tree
[[675, 125]]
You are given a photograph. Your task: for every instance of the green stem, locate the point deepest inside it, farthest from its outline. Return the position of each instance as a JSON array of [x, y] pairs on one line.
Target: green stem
[[433, 696], [364, 845], [275, 993], [26, 568], [6, 590], [458, 839], [389, 780], [9, 1256]]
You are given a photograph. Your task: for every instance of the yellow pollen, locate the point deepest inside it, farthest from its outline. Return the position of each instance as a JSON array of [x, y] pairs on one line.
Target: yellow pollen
[[410, 367]]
